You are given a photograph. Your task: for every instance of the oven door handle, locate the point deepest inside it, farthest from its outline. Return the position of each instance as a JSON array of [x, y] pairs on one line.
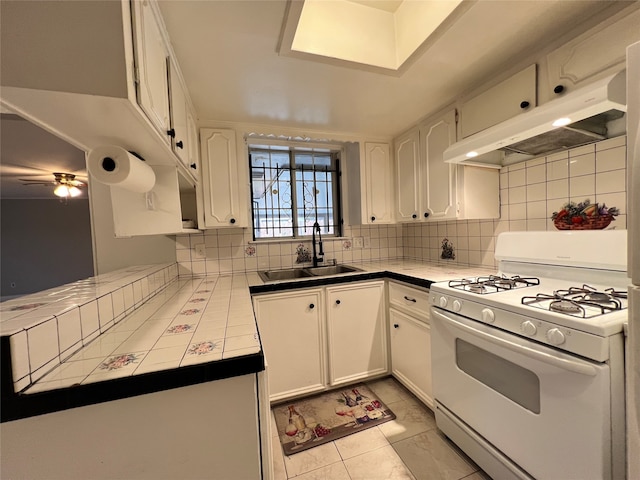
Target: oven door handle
[[570, 365]]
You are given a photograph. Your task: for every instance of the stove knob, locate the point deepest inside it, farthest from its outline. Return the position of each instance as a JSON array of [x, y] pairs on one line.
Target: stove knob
[[528, 328], [488, 316], [457, 306], [443, 302], [555, 336]]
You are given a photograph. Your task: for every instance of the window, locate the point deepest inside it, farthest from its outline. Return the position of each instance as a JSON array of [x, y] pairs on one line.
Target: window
[[292, 188]]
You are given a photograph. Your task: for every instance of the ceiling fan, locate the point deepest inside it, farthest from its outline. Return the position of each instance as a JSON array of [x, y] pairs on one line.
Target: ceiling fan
[[65, 184]]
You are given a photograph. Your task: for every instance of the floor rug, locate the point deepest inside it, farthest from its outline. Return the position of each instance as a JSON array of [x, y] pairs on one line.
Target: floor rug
[[323, 418]]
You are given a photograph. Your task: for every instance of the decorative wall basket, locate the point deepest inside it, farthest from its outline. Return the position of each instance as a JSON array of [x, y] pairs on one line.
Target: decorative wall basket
[[584, 216], [593, 223]]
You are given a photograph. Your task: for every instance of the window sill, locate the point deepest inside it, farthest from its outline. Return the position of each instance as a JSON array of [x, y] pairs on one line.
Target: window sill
[[296, 240]]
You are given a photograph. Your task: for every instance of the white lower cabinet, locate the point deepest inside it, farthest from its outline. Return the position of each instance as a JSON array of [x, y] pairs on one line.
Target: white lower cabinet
[[411, 354], [356, 332], [292, 335], [310, 345], [410, 339]]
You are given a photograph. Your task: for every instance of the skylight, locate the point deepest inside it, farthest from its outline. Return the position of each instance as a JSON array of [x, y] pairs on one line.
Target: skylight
[[357, 34]]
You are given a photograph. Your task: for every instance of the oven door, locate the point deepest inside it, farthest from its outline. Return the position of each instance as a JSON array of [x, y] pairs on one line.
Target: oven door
[[549, 412]]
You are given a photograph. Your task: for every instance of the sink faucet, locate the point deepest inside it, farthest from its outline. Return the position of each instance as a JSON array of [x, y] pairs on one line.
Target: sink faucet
[[319, 256]]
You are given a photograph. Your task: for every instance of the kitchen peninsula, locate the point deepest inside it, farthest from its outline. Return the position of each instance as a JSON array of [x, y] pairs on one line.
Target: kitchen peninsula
[[176, 373]]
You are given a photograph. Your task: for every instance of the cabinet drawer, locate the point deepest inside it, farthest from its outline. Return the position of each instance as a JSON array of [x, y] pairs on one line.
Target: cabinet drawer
[[411, 300]]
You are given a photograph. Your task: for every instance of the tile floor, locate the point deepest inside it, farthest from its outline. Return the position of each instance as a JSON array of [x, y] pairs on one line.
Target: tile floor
[[409, 447]]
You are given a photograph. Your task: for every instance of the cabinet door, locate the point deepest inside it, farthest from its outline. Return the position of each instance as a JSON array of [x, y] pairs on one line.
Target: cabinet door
[[293, 342], [377, 164], [514, 95], [411, 354], [407, 161], [151, 64], [193, 147], [220, 187], [599, 52], [356, 332], [439, 190], [180, 140]]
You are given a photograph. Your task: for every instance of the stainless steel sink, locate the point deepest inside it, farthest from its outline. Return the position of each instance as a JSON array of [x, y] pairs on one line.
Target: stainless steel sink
[[294, 273], [331, 270], [288, 274]]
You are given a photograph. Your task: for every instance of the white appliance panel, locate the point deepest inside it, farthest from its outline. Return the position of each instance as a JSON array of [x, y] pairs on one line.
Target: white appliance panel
[[515, 395], [633, 161]]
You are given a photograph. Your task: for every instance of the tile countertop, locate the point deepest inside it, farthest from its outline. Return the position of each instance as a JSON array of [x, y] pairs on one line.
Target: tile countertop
[[193, 330]]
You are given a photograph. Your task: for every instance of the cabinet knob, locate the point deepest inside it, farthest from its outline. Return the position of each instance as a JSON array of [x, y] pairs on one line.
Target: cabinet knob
[[180, 144], [414, 216], [558, 89], [172, 133], [312, 306], [194, 166], [395, 325], [232, 221], [524, 104], [426, 214], [373, 219], [337, 302]]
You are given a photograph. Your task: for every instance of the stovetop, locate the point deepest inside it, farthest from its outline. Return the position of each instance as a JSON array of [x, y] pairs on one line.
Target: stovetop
[[599, 309]]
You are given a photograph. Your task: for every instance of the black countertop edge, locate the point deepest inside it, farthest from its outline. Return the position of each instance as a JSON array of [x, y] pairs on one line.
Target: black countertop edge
[[324, 281], [22, 405]]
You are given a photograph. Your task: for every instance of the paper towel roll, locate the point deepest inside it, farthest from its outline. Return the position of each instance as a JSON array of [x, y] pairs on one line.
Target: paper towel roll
[[115, 166]]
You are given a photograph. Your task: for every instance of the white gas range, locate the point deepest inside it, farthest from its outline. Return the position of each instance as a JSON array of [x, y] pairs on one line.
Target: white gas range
[[528, 365]]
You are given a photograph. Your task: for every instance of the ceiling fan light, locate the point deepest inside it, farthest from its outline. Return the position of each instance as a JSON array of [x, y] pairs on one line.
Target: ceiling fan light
[[62, 191], [74, 191]]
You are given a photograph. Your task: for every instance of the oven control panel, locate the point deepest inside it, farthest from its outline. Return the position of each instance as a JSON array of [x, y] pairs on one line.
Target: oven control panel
[[568, 339]]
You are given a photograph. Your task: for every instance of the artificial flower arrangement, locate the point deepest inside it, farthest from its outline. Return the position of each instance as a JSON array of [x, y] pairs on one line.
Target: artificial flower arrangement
[[584, 216]]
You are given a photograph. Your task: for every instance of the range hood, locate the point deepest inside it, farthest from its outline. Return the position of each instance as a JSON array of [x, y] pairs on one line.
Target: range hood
[[592, 113]]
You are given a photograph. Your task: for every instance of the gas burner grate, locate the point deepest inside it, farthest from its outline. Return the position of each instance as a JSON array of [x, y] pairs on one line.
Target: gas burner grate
[[584, 301], [493, 283]]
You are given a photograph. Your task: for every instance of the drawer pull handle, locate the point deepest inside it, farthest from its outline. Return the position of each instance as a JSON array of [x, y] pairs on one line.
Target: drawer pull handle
[[409, 299]]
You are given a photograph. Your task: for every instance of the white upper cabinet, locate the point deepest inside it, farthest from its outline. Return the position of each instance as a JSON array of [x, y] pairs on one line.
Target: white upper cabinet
[[438, 189], [151, 67], [369, 183], [377, 183], [222, 194], [183, 130], [428, 189], [407, 176], [113, 91], [499, 103], [599, 52]]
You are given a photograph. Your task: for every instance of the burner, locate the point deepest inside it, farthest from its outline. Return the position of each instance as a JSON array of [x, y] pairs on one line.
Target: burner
[[493, 283], [476, 287], [565, 306], [616, 293], [598, 297]]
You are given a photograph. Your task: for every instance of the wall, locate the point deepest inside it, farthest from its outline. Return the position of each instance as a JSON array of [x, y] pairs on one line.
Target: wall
[[529, 194], [232, 250], [45, 243]]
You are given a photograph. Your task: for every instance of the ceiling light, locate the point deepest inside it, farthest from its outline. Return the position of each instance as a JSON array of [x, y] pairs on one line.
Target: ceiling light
[[62, 191], [74, 191], [472, 154], [561, 122]]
